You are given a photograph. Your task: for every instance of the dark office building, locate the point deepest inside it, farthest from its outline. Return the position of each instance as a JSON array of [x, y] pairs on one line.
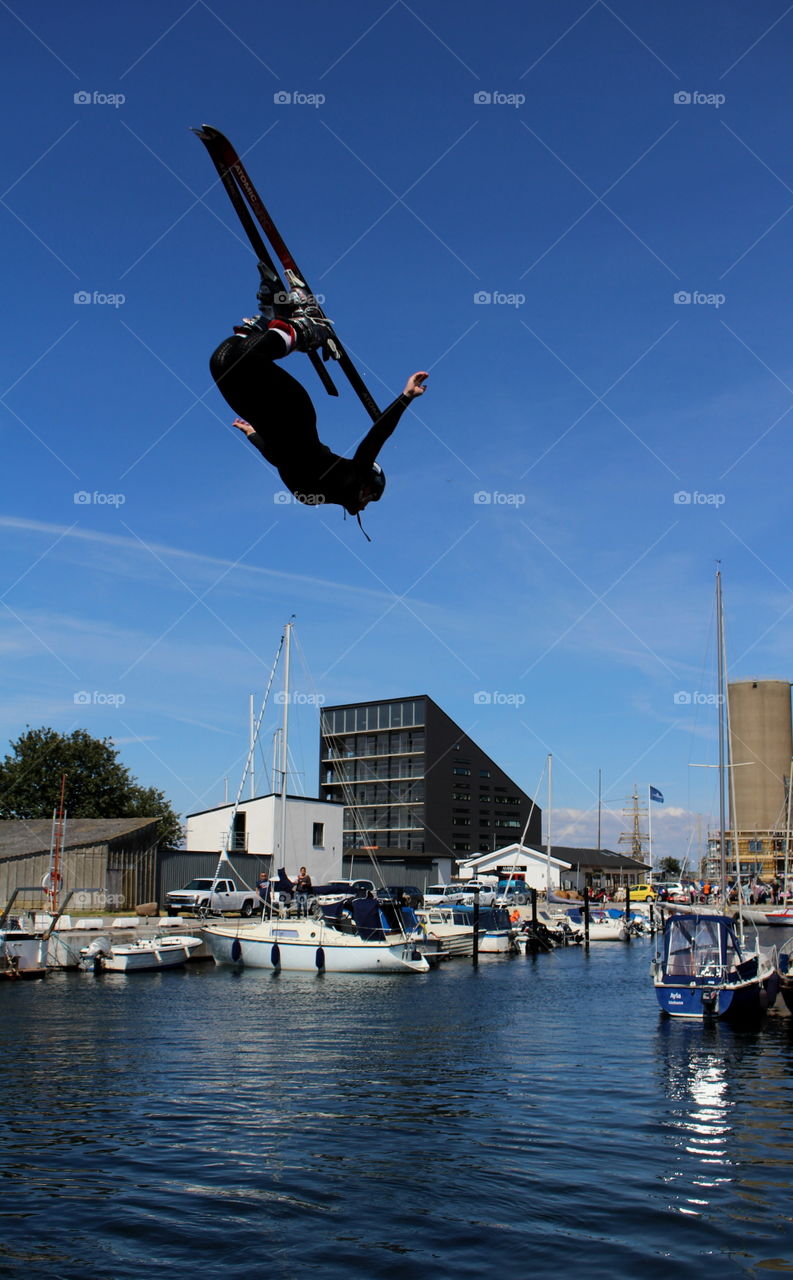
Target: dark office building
[[413, 783]]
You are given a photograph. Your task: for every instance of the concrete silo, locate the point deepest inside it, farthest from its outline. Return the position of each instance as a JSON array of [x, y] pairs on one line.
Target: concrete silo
[[760, 732]]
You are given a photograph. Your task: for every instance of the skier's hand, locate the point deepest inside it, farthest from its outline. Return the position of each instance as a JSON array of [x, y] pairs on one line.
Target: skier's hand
[[242, 425], [415, 385]]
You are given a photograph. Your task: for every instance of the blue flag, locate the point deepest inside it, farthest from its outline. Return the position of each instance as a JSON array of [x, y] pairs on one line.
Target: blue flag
[[655, 795]]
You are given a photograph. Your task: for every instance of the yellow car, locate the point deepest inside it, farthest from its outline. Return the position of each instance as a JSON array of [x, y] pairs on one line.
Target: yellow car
[[643, 893]]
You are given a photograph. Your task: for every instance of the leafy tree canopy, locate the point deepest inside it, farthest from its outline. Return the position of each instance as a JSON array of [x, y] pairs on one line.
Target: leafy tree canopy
[[98, 785], [669, 868]]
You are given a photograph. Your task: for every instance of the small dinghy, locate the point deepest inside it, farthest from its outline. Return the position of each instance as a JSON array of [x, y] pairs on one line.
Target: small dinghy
[[147, 953]]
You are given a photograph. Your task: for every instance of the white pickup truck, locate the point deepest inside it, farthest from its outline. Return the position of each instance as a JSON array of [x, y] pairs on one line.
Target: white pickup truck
[[211, 895]]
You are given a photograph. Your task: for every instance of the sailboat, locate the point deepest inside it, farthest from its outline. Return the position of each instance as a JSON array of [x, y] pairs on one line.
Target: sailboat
[[705, 968], [366, 943]]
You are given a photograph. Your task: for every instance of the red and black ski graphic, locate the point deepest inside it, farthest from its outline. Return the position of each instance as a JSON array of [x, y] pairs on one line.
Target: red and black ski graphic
[[240, 190]]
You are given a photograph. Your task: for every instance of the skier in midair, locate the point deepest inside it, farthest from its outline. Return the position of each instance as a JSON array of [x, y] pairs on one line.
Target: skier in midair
[[276, 412]]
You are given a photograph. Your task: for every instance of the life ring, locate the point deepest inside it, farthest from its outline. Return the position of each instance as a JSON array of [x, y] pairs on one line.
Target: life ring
[[52, 880]]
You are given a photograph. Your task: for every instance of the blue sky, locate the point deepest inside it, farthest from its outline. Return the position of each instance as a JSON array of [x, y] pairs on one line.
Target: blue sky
[[612, 179]]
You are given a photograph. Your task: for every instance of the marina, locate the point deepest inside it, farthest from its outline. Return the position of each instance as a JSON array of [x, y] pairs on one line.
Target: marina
[[534, 1109]]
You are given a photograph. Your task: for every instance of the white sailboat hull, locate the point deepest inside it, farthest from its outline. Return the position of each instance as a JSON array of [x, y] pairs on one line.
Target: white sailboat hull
[[308, 946]]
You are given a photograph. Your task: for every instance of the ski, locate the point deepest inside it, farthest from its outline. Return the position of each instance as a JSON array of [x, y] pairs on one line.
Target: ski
[[240, 190], [259, 246]]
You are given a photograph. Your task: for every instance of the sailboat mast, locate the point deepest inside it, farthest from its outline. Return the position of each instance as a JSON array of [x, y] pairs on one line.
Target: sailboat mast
[[55, 874], [721, 702], [548, 830], [285, 739], [787, 836], [252, 745]]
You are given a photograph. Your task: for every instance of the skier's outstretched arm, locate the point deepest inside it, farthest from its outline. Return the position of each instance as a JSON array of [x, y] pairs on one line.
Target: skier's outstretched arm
[[367, 451]]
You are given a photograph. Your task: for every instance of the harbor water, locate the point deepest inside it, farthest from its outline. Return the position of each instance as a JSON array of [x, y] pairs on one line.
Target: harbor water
[[533, 1116]]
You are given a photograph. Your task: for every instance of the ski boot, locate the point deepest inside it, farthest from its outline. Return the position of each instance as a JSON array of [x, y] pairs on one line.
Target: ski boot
[[300, 310]]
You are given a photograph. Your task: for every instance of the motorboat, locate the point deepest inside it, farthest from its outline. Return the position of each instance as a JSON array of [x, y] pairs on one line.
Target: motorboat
[[706, 971], [784, 970], [23, 952], [603, 925], [450, 929], [164, 951]]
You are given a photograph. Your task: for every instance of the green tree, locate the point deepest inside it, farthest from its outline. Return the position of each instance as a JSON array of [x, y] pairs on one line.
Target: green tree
[[98, 785], [669, 868]]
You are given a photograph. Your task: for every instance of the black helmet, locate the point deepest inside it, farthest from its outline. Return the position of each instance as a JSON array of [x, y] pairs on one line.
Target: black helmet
[[375, 482]]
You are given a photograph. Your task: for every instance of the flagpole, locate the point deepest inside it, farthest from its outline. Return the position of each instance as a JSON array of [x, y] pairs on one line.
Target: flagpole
[[650, 827]]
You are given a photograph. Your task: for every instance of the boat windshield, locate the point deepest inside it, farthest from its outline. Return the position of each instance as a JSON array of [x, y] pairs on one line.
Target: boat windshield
[[696, 945]]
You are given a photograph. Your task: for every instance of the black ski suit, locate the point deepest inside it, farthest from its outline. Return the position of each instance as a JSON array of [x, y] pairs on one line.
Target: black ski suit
[[285, 422]]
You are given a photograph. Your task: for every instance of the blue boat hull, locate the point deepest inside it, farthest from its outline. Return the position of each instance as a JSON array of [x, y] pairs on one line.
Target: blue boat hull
[[734, 1003]]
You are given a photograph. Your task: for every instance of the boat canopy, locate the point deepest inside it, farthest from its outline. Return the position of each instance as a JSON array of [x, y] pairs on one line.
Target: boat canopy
[[699, 946]]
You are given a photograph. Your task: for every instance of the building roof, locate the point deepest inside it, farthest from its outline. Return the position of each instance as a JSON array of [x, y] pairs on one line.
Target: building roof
[[561, 855], [517, 854], [25, 836], [269, 795], [605, 858]]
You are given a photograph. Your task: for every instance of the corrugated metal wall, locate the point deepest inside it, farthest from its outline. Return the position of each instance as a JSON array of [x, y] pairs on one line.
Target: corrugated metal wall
[[119, 874], [177, 868]]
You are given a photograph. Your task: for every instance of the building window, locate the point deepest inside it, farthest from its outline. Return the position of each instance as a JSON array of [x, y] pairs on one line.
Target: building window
[[461, 846], [461, 771], [484, 773], [318, 835]]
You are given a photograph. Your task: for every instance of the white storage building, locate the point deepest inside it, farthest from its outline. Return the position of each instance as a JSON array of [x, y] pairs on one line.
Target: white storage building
[[306, 833]]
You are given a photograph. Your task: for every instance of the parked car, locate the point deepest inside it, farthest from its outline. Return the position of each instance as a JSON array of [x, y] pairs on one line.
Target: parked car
[[443, 895], [408, 895], [671, 887], [643, 893], [487, 891], [511, 898], [339, 890]]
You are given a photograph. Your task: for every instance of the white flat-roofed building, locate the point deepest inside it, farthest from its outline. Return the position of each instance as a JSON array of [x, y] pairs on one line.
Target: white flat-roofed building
[[307, 834]]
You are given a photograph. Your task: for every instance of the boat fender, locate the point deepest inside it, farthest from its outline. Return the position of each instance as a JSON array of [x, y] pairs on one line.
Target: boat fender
[[319, 959], [275, 956], [236, 950]]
